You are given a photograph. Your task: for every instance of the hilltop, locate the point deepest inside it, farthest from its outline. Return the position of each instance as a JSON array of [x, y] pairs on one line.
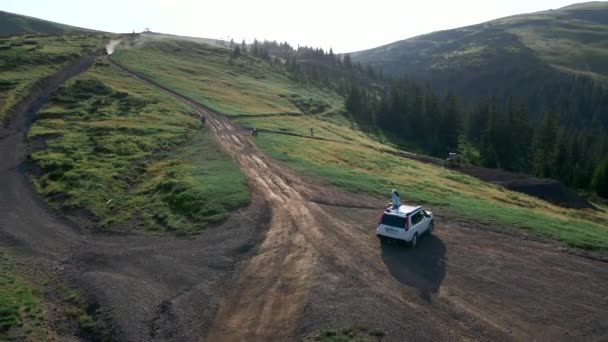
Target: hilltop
[[499, 57], [12, 24]]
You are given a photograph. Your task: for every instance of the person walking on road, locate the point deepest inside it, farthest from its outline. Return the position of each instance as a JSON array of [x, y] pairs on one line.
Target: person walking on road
[[203, 120]]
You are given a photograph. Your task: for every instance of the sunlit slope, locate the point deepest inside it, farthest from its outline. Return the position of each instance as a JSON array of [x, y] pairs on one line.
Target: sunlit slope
[[208, 74], [572, 38], [131, 156], [509, 57], [26, 59], [340, 154]]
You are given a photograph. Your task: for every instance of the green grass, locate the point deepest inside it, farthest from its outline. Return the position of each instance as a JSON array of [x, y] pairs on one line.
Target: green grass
[[23, 309], [21, 314], [343, 156], [132, 156], [28, 58], [94, 323], [365, 170], [241, 86], [569, 44]]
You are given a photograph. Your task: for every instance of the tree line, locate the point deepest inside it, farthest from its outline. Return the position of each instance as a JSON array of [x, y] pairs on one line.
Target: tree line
[[567, 142], [491, 134]]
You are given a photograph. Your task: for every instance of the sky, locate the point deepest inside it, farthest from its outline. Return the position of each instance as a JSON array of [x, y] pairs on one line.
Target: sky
[[345, 26]]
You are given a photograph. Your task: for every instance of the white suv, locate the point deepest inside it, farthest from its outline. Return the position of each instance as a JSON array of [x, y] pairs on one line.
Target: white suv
[[404, 224]]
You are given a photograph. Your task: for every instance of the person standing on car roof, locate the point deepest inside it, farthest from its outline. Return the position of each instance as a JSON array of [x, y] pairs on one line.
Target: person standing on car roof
[[395, 199]]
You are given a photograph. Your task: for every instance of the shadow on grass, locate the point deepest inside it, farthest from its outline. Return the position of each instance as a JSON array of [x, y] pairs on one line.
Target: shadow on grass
[[422, 267]]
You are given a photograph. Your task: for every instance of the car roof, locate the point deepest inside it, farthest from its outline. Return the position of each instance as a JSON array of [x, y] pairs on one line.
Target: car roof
[[403, 210]]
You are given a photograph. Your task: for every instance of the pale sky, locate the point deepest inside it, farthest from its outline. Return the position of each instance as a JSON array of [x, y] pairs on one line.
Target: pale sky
[[344, 25]]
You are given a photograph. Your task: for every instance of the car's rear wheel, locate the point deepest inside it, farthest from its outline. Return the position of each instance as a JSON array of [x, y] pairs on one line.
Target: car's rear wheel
[[414, 240], [431, 227]]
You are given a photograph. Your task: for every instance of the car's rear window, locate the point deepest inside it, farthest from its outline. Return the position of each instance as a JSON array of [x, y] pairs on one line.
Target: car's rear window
[[393, 221]]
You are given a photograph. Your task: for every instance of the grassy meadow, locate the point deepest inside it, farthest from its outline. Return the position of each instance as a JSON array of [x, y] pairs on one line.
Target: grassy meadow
[[207, 74], [25, 59], [571, 39], [132, 156], [22, 317], [25, 306], [366, 170], [343, 156]]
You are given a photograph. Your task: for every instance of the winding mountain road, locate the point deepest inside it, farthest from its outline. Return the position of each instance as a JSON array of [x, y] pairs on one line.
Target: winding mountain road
[[288, 265]]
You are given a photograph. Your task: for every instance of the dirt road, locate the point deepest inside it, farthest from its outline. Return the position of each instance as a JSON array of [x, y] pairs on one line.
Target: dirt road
[[289, 266], [158, 288], [321, 265]]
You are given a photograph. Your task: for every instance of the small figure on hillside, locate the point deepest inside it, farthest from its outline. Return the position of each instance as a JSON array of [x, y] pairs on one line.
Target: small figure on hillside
[[254, 132], [312, 132], [453, 160], [395, 199], [203, 120]]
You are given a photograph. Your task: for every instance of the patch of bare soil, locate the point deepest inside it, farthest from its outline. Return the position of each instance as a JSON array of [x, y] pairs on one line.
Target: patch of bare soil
[[550, 190]]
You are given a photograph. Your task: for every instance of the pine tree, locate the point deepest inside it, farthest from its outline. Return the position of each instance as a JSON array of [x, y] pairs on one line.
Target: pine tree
[[347, 61], [545, 146], [429, 126], [487, 150], [520, 132], [450, 124], [332, 56], [236, 52], [417, 115], [600, 179], [353, 101]]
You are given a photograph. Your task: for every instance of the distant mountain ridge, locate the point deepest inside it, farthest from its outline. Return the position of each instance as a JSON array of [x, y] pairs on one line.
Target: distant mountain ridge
[[12, 24], [512, 56]]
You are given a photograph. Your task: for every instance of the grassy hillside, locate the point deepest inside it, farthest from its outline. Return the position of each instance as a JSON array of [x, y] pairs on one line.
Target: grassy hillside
[[131, 156], [339, 153], [22, 317], [208, 74], [514, 56], [28, 58], [13, 24]]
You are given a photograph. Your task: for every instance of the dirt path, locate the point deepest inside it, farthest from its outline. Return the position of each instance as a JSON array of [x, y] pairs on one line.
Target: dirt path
[[320, 265], [158, 288], [304, 257]]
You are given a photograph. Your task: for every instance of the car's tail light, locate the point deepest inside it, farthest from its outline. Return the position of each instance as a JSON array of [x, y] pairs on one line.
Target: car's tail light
[[407, 223], [381, 218]]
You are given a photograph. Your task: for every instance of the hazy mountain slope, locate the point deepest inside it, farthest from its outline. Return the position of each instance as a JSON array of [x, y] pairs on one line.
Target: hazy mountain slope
[[511, 56], [11, 24]]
